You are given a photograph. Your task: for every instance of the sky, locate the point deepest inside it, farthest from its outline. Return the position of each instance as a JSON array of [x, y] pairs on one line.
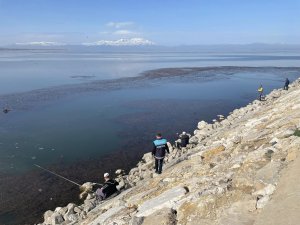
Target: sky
[[164, 22]]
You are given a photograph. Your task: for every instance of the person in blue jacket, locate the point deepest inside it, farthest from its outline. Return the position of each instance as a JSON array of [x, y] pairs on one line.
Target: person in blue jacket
[[160, 147]]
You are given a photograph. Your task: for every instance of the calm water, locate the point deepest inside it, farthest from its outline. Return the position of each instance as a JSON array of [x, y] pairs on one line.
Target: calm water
[[90, 118]]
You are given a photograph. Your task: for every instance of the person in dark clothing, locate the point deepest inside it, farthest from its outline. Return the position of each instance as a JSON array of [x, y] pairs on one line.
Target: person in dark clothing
[[109, 188], [185, 139], [160, 147], [286, 85]]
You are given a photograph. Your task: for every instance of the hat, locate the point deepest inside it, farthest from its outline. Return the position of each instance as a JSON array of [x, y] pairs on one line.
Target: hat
[[106, 175], [183, 132]]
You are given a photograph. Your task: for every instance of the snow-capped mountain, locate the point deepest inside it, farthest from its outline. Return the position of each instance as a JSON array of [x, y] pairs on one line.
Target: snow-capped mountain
[[121, 42]]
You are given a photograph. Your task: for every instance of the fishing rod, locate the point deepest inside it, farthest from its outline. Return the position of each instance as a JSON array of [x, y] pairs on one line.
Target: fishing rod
[[73, 182]]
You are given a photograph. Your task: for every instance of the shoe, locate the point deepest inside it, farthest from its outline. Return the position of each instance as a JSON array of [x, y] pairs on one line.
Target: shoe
[[157, 172]]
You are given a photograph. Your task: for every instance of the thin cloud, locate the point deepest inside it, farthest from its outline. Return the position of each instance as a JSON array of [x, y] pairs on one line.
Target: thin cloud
[[124, 32], [41, 43], [119, 25]]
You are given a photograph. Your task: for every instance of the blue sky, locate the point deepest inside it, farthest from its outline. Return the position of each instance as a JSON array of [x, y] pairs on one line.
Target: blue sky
[[165, 22]]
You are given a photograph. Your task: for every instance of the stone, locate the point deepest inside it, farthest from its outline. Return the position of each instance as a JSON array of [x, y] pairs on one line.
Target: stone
[[89, 205], [85, 189], [70, 214], [147, 157], [194, 140], [165, 216], [47, 216], [237, 139], [137, 220], [119, 172], [56, 219], [268, 190], [77, 209], [106, 215], [292, 154], [201, 125], [261, 202], [167, 199]]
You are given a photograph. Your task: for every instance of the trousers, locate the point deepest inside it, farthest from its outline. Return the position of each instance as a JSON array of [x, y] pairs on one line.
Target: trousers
[[159, 164]]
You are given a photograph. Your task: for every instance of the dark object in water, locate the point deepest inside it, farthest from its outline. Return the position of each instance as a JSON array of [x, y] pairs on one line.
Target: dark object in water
[[6, 110]]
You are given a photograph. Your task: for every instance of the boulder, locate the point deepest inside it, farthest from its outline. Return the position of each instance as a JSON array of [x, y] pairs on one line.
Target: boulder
[[201, 125], [89, 205], [147, 157], [56, 219], [47, 216], [85, 189], [120, 172]]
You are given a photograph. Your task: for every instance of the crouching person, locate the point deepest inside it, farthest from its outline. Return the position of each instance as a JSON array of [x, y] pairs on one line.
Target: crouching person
[[183, 141], [109, 188]]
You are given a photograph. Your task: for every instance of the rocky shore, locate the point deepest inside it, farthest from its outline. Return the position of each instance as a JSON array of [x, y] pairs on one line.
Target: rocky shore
[[233, 172]]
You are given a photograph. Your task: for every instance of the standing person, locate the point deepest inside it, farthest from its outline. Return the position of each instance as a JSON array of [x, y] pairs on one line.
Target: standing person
[[260, 92], [160, 147], [286, 85], [109, 187]]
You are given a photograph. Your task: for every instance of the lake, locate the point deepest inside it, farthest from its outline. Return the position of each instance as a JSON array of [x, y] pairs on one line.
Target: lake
[[82, 114]]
